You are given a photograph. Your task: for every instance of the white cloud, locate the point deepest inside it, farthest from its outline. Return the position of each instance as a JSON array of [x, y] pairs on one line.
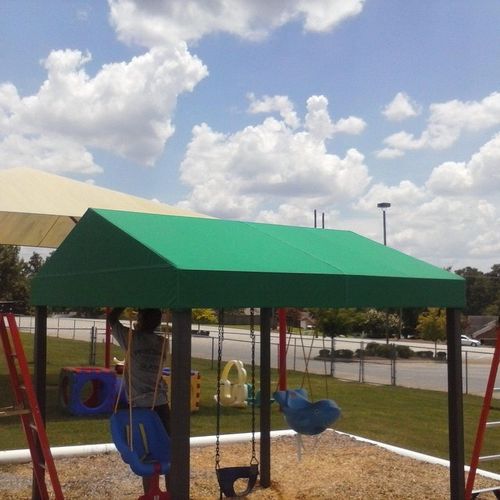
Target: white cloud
[[319, 124], [350, 125], [450, 177], [444, 230], [480, 175], [166, 21], [317, 120], [278, 103], [388, 153], [403, 141], [10, 103], [53, 153], [124, 109], [322, 15], [486, 245], [267, 168], [449, 228], [405, 194], [448, 121], [401, 108], [452, 219]]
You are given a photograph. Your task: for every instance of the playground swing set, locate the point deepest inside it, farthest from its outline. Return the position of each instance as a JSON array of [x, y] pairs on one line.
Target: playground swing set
[[143, 443], [302, 415], [109, 255]]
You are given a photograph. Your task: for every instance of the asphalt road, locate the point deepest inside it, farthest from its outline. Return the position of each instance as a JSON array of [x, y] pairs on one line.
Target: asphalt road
[[301, 351], [414, 373]]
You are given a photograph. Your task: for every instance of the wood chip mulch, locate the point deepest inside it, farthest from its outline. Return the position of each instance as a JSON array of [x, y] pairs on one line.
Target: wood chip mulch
[[331, 466]]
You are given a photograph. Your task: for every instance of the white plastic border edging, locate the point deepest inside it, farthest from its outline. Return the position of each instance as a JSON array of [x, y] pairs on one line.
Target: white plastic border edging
[[418, 456], [23, 456]]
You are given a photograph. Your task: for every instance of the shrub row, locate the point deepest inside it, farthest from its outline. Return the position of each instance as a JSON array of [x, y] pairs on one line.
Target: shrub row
[[388, 351]]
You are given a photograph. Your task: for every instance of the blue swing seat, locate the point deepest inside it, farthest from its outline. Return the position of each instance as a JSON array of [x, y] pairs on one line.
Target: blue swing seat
[[150, 450], [302, 415]]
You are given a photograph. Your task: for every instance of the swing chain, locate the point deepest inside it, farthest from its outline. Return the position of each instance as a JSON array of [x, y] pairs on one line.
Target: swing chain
[[253, 399], [219, 362]]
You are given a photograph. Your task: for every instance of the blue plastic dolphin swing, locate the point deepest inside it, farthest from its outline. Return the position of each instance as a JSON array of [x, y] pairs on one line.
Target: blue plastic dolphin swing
[[303, 415]]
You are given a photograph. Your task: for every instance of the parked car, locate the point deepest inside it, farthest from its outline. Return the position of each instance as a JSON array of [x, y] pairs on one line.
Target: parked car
[[470, 342]]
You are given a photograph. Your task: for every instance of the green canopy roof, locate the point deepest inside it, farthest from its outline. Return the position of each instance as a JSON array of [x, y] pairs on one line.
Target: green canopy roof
[[134, 259]]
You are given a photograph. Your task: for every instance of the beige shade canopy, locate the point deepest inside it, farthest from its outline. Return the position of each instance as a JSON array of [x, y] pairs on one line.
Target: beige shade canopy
[[39, 209]]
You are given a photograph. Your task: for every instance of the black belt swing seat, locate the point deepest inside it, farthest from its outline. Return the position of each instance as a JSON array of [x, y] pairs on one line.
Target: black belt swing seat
[[228, 476]]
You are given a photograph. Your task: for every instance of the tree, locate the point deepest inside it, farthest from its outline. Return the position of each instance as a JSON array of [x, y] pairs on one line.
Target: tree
[[293, 316], [334, 322], [432, 325], [35, 262], [379, 324], [410, 320], [204, 316], [493, 308], [479, 290], [13, 280]]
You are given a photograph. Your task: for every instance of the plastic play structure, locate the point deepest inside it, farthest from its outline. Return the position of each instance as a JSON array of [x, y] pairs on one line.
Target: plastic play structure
[[87, 390], [233, 394], [195, 391], [166, 374]]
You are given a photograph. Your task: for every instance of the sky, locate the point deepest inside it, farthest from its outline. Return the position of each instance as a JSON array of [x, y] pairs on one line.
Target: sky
[[268, 110]]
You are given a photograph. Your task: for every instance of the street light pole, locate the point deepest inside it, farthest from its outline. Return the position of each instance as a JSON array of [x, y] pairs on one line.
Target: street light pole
[[384, 205]]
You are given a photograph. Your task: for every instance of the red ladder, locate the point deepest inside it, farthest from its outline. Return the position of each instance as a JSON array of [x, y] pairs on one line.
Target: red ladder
[[26, 407], [481, 428]]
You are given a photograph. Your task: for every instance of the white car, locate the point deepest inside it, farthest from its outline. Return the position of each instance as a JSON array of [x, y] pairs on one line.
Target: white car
[[468, 341]]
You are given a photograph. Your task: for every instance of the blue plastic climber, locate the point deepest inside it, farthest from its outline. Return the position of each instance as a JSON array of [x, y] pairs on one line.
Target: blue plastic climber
[[74, 386]]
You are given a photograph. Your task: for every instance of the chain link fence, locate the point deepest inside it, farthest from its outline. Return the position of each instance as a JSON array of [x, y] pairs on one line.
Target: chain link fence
[[405, 363]]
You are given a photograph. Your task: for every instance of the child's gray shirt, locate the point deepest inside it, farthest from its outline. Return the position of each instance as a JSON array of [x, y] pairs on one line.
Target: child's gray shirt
[[145, 359]]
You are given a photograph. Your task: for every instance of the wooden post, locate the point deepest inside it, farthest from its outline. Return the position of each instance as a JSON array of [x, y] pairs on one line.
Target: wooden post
[[180, 404], [455, 405], [265, 397]]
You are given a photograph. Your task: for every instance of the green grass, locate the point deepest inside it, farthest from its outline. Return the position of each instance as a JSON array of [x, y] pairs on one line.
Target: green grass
[[411, 418]]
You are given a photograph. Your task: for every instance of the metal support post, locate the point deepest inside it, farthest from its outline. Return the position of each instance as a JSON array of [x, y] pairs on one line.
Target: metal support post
[[40, 373], [181, 405], [265, 392], [455, 405]]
